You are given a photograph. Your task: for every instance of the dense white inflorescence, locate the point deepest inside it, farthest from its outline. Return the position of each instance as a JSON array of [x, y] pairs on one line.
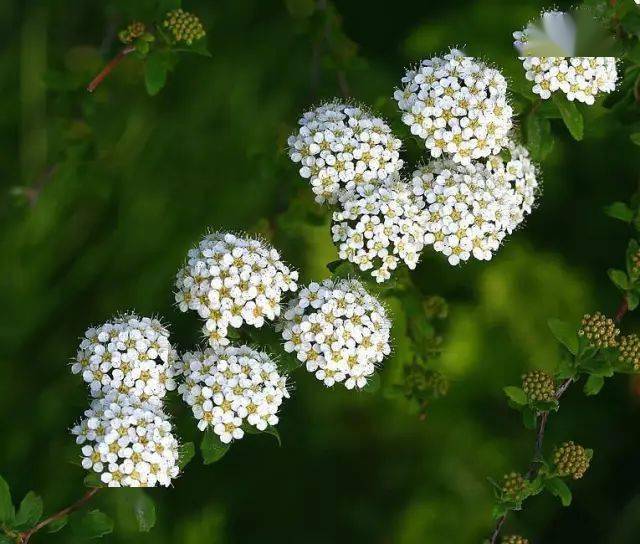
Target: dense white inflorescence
[[230, 280], [579, 78], [472, 208], [129, 365], [338, 330], [341, 146], [228, 387], [380, 225], [458, 105]]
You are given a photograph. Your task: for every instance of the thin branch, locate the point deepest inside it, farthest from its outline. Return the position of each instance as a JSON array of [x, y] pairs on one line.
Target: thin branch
[[26, 535], [95, 82], [543, 418]]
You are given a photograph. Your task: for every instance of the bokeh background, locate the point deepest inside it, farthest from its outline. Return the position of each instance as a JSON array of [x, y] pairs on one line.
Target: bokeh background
[[102, 196]]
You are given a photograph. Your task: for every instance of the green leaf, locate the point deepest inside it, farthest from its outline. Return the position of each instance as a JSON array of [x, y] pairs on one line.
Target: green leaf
[[619, 210], [529, 418], [4, 539], [539, 137], [186, 452], [212, 448], [516, 395], [498, 511], [619, 278], [558, 488], [373, 384], [565, 334], [29, 512], [155, 72], [57, 524], [341, 269], [271, 430], [570, 115], [635, 138], [92, 480], [93, 524], [593, 385], [7, 511], [145, 512], [633, 299]]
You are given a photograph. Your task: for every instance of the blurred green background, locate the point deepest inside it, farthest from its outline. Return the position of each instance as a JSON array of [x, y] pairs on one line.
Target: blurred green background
[[102, 196]]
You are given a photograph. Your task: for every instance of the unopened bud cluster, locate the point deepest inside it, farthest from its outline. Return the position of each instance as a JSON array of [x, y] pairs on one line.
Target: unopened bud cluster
[[126, 436], [571, 459], [185, 27], [133, 31], [514, 486], [629, 351], [599, 330], [539, 386], [514, 539]]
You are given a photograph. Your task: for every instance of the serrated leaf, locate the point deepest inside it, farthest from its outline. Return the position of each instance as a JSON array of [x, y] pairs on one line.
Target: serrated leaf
[[559, 489], [57, 524], [186, 452], [29, 512], [570, 115], [7, 511], [635, 138], [565, 334], [516, 395], [93, 524], [155, 72], [144, 510], [619, 278], [212, 448], [593, 385], [619, 210]]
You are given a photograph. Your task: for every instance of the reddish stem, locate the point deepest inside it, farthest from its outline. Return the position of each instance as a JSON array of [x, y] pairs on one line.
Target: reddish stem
[[95, 82]]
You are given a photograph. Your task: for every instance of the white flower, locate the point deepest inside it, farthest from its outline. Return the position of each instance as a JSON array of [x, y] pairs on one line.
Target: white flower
[[128, 443], [341, 146], [457, 105], [379, 226], [578, 78], [230, 280], [338, 330], [228, 387], [472, 208]]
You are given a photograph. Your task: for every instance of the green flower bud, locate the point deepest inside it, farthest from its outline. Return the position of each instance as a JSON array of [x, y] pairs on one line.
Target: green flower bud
[[599, 330], [539, 386], [514, 539], [185, 26], [629, 351], [134, 31], [513, 486], [572, 460]]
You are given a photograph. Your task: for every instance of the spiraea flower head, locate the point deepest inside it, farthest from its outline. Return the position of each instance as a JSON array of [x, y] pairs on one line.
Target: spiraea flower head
[[341, 147], [539, 386], [185, 27], [338, 330], [472, 208], [572, 460], [458, 105], [132, 32], [128, 443], [130, 355], [230, 386], [230, 280], [380, 226], [514, 486], [629, 351], [514, 539], [599, 330]]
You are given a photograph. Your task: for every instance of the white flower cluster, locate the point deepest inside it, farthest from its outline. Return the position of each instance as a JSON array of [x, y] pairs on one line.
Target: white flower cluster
[[126, 437], [228, 386], [378, 226], [472, 208], [230, 280], [338, 330], [579, 78], [458, 105], [341, 146]]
